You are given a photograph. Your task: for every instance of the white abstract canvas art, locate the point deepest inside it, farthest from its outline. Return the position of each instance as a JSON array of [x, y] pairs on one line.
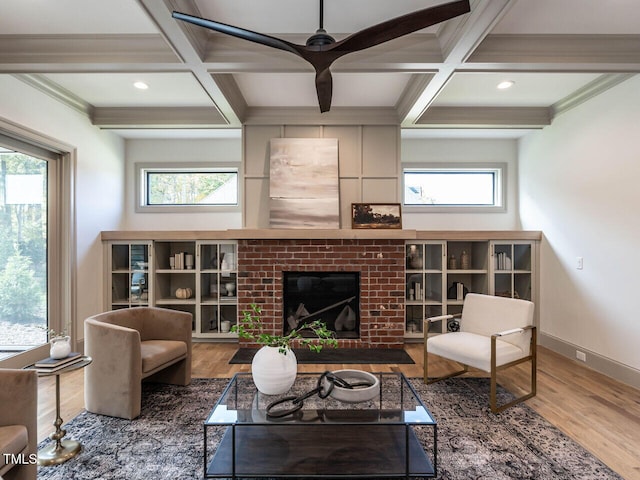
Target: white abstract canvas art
[[304, 183]]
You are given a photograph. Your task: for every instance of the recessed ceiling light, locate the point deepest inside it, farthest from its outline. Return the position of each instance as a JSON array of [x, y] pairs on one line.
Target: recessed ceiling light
[[506, 84], [141, 85]]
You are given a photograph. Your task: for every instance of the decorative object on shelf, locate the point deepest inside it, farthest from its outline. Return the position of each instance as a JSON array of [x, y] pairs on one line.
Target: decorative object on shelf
[[457, 291], [188, 261], [414, 260], [229, 261], [453, 262], [137, 289], [274, 366], [184, 293], [213, 289], [465, 260], [225, 326], [502, 261], [60, 346], [172, 263], [224, 263], [376, 215], [231, 288]]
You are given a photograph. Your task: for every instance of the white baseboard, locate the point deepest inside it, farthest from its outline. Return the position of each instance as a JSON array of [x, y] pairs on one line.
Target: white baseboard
[[606, 366]]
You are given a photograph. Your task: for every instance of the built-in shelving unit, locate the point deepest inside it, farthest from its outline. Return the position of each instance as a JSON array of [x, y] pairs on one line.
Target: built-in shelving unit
[[425, 284], [140, 271], [440, 273], [128, 283], [513, 269], [198, 277], [217, 283]]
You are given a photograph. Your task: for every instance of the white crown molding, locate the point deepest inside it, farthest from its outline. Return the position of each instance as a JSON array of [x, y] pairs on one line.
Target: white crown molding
[[43, 84], [591, 90]]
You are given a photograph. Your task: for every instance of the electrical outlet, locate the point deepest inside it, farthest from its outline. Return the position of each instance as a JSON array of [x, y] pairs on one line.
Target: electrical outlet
[[581, 356], [579, 263]]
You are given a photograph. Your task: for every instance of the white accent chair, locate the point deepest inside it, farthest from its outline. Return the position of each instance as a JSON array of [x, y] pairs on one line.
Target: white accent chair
[[495, 333]]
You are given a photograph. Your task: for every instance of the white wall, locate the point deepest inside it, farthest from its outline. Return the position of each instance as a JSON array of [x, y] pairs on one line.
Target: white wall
[[465, 151], [220, 150], [99, 188], [580, 185], [368, 157]]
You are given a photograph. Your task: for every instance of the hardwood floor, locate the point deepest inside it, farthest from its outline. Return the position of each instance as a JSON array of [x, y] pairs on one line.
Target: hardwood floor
[[601, 414]]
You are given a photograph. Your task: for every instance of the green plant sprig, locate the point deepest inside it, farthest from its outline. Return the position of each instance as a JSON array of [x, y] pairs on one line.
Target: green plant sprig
[[51, 333], [251, 327]]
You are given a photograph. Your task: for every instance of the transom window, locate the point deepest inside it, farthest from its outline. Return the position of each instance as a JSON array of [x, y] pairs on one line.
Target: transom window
[[198, 187], [451, 187]]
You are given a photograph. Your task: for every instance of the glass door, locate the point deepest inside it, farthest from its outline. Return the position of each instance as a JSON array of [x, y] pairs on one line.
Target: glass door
[[24, 272]]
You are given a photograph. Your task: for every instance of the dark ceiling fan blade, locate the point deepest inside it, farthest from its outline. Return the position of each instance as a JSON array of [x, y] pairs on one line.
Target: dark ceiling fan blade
[[322, 50], [242, 33], [400, 26], [324, 89]]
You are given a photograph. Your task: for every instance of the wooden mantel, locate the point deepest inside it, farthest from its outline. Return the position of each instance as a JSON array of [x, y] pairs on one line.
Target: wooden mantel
[[321, 234]]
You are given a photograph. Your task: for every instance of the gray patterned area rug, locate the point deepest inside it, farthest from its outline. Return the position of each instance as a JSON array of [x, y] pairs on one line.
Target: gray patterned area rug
[[166, 441]]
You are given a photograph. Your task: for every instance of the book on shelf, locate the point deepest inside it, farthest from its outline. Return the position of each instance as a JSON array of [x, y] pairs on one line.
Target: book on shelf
[[56, 362]]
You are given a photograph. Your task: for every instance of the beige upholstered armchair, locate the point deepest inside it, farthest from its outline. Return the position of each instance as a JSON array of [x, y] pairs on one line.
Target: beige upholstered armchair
[[130, 345], [495, 333], [18, 424]]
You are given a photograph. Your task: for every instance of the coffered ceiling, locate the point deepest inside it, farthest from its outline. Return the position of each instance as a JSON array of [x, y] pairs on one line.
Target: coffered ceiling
[[89, 53]]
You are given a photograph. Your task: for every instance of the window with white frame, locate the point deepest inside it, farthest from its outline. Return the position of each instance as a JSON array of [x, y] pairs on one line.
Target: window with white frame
[[463, 187], [186, 187]]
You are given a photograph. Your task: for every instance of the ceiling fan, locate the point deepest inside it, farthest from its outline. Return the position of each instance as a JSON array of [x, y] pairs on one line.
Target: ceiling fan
[[321, 50]]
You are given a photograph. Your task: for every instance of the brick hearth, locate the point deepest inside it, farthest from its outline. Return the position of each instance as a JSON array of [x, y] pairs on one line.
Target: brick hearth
[[382, 283]]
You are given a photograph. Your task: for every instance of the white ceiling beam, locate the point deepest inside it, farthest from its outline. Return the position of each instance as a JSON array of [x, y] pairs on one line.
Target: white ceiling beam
[[483, 117], [469, 32], [157, 117], [179, 41]]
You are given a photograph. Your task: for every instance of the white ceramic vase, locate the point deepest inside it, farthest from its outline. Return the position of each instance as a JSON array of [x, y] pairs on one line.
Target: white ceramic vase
[[60, 347], [274, 372]]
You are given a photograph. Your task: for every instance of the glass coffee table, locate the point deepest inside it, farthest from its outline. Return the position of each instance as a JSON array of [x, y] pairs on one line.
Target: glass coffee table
[[392, 435]]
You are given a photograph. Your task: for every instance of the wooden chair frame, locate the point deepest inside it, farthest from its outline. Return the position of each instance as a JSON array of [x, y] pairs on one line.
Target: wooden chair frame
[[493, 402]]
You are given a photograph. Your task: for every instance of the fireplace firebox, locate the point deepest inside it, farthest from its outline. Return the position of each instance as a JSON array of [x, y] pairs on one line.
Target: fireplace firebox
[[333, 297]]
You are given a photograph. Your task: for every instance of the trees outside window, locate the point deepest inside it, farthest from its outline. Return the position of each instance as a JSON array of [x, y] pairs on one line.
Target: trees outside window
[[23, 251]]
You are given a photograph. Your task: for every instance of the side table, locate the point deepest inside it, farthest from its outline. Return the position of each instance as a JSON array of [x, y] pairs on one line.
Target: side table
[[62, 450]]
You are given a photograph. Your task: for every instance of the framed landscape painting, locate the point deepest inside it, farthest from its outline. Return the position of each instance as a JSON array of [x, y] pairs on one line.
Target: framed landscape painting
[[376, 215]]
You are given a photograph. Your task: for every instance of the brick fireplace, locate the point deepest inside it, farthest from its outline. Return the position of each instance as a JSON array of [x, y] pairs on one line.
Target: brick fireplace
[[380, 263]]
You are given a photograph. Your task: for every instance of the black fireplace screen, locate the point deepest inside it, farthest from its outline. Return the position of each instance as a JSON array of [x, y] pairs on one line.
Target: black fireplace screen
[[333, 297]]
